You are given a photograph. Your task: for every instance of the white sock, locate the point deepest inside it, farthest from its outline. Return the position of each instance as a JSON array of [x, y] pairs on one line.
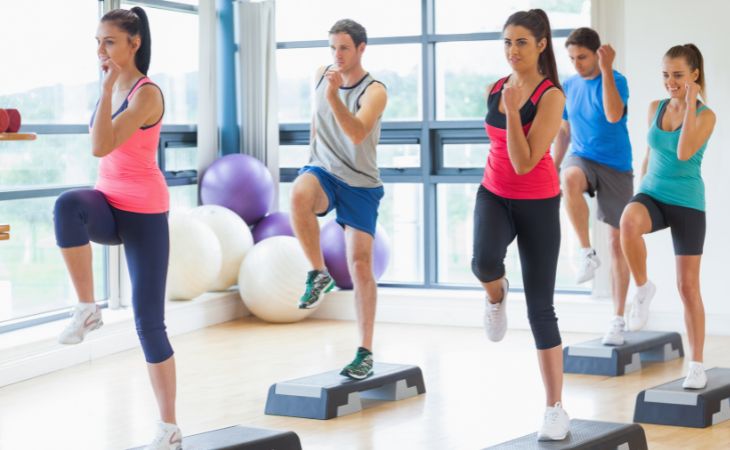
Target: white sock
[[620, 318], [588, 251], [696, 364], [83, 306], [641, 289], [168, 426]]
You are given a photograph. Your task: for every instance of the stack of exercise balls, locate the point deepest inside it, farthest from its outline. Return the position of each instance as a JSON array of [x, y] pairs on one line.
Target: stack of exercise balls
[[235, 238], [9, 120]]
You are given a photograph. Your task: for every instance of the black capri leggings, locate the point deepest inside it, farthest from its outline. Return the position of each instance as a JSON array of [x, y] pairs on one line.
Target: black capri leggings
[[83, 215], [536, 224]]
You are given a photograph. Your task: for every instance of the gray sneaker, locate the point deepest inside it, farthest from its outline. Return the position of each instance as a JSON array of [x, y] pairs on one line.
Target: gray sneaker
[[83, 320], [318, 284], [361, 367]]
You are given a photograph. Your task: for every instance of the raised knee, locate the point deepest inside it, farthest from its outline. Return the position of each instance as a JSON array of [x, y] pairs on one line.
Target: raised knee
[[574, 182]]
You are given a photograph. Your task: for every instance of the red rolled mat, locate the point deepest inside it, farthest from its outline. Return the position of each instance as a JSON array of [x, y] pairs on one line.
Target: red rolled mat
[[14, 116], [4, 120]]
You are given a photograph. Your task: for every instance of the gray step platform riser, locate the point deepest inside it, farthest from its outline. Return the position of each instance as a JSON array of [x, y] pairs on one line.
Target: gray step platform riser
[[591, 359], [671, 404], [329, 405], [702, 415], [241, 438], [300, 399], [626, 437]]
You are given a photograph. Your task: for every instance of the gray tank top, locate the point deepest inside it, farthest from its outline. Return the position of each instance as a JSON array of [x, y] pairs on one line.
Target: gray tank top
[[332, 150]]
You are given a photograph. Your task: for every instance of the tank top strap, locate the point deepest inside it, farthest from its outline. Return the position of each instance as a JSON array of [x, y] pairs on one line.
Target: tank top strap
[[498, 85], [540, 90]]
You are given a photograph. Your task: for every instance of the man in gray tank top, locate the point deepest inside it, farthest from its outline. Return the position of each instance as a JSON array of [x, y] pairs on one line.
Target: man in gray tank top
[[342, 174]]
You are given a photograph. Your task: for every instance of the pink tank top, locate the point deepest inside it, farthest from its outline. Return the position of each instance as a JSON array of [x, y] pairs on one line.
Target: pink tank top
[[500, 177], [129, 176]]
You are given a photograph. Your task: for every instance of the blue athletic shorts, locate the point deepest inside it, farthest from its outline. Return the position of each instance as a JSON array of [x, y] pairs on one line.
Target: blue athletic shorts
[[356, 207]]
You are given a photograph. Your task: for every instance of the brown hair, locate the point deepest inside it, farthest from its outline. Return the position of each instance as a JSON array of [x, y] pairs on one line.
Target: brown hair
[[694, 59], [536, 20], [134, 22]]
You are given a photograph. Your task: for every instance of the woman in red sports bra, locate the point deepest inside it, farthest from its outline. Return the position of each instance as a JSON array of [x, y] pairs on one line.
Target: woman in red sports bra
[[519, 197]]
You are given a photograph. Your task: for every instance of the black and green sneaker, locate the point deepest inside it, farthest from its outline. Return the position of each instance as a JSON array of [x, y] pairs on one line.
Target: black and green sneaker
[[318, 284], [361, 367]]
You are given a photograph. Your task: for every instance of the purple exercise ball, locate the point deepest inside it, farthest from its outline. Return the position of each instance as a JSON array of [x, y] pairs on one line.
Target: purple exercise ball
[[274, 224], [332, 239], [241, 183]]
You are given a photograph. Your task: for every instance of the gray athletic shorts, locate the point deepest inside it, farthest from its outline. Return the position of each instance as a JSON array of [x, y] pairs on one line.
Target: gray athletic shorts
[[612, 188]]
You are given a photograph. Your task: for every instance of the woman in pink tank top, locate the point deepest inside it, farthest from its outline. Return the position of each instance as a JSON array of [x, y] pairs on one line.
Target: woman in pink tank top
[[519, 197], [128, 206]]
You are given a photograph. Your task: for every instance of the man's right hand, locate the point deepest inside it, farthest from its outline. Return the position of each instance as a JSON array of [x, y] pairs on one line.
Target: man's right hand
[[606, 56]]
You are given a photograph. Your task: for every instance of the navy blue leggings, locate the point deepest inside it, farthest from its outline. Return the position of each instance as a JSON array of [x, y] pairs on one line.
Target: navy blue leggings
[[536, 224], [84, 215]]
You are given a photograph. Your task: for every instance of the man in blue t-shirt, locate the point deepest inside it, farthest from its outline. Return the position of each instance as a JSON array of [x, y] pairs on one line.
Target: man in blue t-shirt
[[599, 163]]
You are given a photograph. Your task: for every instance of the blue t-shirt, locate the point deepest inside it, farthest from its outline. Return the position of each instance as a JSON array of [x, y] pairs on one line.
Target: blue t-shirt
[[592, 136]]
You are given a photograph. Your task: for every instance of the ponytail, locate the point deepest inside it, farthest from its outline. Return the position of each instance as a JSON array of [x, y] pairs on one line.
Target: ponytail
[[695, 61], [536, 20], [135, 23]]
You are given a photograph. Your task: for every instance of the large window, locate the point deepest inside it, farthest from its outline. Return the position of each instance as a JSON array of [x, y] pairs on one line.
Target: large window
[[437, 58], [54, 82], [174, 64]]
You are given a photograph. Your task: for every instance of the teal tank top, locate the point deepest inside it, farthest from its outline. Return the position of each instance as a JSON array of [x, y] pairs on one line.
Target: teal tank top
[[668, 179]]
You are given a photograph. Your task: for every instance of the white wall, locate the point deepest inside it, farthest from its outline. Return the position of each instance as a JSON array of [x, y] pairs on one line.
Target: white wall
[[649, 28]]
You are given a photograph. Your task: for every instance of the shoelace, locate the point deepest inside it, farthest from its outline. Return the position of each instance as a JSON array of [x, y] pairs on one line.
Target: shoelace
[[552, 416], [493, 308], [617, 327], [78, 319]]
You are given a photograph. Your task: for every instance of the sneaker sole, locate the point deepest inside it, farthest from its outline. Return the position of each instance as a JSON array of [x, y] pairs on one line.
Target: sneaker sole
[[550, 438], [96, 326], [353, 376]]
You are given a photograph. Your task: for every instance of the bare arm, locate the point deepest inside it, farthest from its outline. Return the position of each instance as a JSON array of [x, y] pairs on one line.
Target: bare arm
[[613, 105], [696, 129], [358, 126], [526, 151], [108, 134], [652, 112], [562, 141]]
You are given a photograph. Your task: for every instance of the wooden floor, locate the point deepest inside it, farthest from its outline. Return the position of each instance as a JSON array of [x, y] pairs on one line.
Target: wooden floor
[[479, 393]]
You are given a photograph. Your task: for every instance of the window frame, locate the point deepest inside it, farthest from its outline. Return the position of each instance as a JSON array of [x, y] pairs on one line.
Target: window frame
[[182, 135], [432, 135]]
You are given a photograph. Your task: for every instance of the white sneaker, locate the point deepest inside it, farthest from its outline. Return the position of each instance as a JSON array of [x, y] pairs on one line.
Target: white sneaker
[[696, 376], [615, 334], [588, 266], [169, 437], [495, 315], [640, 306], [555, 425], [86, 317]]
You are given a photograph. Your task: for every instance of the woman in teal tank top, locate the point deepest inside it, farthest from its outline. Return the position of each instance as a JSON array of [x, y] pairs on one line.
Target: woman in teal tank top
[[672, 195]]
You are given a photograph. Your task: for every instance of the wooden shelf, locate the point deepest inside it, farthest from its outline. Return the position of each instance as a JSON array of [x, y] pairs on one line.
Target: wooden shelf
[[17, 136]]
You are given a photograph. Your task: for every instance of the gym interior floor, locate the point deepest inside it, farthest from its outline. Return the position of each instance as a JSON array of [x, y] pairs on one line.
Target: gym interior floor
[[478, 393]]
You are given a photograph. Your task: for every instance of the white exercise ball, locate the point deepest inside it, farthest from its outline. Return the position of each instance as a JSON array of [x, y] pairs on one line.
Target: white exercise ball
[[272, 279], [195, 257], [235, 240]]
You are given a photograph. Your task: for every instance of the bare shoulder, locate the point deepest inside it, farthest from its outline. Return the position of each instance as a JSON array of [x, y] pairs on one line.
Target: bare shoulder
[[553, 98], [148, 94]]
